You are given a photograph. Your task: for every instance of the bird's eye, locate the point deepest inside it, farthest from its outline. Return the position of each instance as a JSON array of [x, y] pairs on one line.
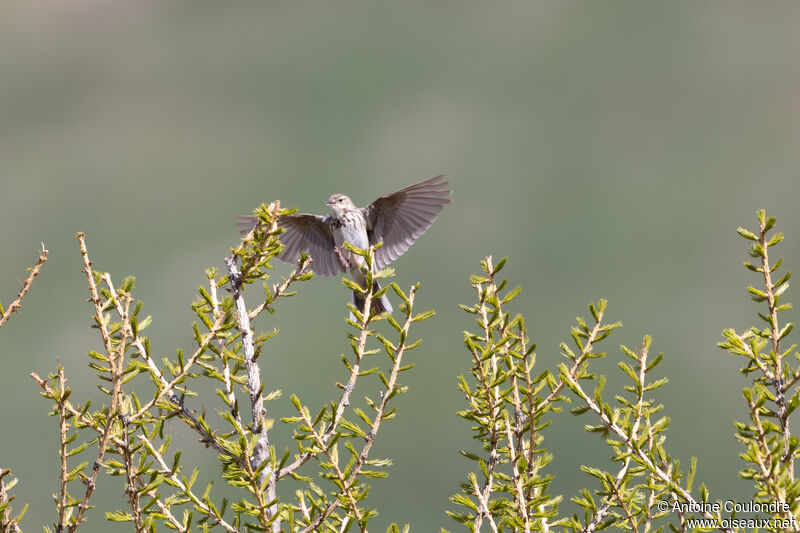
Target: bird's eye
[[339, 200]]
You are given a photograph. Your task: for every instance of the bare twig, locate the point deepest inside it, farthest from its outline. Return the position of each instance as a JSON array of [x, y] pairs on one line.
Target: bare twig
[[26, 285]]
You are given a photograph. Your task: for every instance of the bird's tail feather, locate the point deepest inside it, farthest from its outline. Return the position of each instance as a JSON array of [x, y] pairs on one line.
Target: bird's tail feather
[[378, 306]]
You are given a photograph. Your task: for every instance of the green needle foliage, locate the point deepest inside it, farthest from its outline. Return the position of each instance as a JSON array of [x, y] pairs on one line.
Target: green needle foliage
[[507, 413], [9, 522], [125, 437], [509, 405], [770, 447]]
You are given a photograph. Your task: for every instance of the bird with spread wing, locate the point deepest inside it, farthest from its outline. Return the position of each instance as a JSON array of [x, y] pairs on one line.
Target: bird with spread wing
[[397, 219]]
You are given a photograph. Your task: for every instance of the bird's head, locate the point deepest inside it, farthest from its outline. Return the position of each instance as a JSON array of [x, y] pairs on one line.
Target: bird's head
[[340, 204]]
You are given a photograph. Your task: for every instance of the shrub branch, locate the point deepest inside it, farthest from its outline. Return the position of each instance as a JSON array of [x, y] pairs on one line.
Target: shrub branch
[[26, 285]]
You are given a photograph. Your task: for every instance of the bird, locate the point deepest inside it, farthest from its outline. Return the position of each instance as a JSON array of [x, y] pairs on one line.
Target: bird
[[397, 220]]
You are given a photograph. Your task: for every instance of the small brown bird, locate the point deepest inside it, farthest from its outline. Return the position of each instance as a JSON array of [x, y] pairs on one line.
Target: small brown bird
[[396, 219]]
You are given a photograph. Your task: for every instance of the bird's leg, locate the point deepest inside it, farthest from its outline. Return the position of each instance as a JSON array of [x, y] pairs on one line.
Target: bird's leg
[[345, 262]]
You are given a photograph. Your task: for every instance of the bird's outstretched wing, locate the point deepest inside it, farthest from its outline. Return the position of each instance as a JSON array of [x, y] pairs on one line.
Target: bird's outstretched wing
[[309, 233], [399, 218]]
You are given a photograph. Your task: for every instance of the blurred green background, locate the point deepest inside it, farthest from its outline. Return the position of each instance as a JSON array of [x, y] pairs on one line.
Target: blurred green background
[[610, 149]]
